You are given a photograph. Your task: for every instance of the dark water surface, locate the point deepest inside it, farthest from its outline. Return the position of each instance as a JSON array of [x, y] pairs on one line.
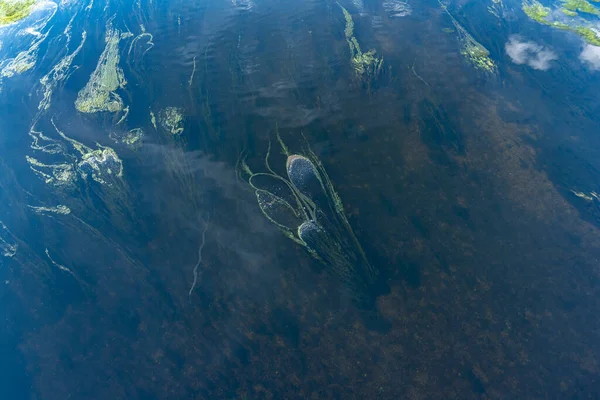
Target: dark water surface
[[472, 193]]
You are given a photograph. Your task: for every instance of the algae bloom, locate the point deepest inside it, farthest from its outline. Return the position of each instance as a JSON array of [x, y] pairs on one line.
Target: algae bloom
[[14, 10], [102, 164], [99, 94], [473, 51], [364, 64], [171, 119], [131, 139], [570, 15]]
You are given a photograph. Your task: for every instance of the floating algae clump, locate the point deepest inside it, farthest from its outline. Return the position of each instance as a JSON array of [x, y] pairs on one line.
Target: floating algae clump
[[568, 12], [568, 18], [131, 139], [171, 119], [153, 119], [26, 59], [580, 6], [365, 64], [99, 94], [23, 62], [14, 10], [59, 209], [34, 35], [473, 51], [306, 208], [57, 174], [102, 164], [536, 11], [589, 197], [43, 143]]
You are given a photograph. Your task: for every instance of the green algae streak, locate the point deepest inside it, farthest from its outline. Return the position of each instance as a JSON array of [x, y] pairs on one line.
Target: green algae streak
[[364, 64], [14, 10], [473, 51]]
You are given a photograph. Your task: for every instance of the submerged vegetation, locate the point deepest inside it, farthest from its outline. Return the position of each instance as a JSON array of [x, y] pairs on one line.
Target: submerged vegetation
[[307, 209], [497, 8], [366, 65], [14, 10], [568, 18], [8, 244]]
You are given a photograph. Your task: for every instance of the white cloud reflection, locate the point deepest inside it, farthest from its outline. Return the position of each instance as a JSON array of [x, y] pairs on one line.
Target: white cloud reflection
[[591, 56], [530, 53]]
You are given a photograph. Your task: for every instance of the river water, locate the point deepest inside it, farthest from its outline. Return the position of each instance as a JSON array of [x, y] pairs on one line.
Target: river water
[[137, 263]]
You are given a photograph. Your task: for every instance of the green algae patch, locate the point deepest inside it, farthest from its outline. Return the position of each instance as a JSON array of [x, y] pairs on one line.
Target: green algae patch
[[26, 59], [471, 50], [536, 11], [580, 6], [588, 34], [568, 12], [132, 139], [14, 10], [479, 56], [34, 37], [102, 164], [366, 65], [56, 174], [99, 94], [569, 19], [153, 120], [171, 119]]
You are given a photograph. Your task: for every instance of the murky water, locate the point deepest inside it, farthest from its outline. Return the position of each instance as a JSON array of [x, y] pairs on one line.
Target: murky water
[[449, 201]]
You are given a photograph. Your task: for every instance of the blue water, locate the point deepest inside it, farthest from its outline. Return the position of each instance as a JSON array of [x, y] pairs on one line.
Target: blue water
[[136, 261]]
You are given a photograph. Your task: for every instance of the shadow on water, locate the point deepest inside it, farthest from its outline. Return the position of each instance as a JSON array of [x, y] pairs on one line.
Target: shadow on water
[[577, 179], [437, 132]]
